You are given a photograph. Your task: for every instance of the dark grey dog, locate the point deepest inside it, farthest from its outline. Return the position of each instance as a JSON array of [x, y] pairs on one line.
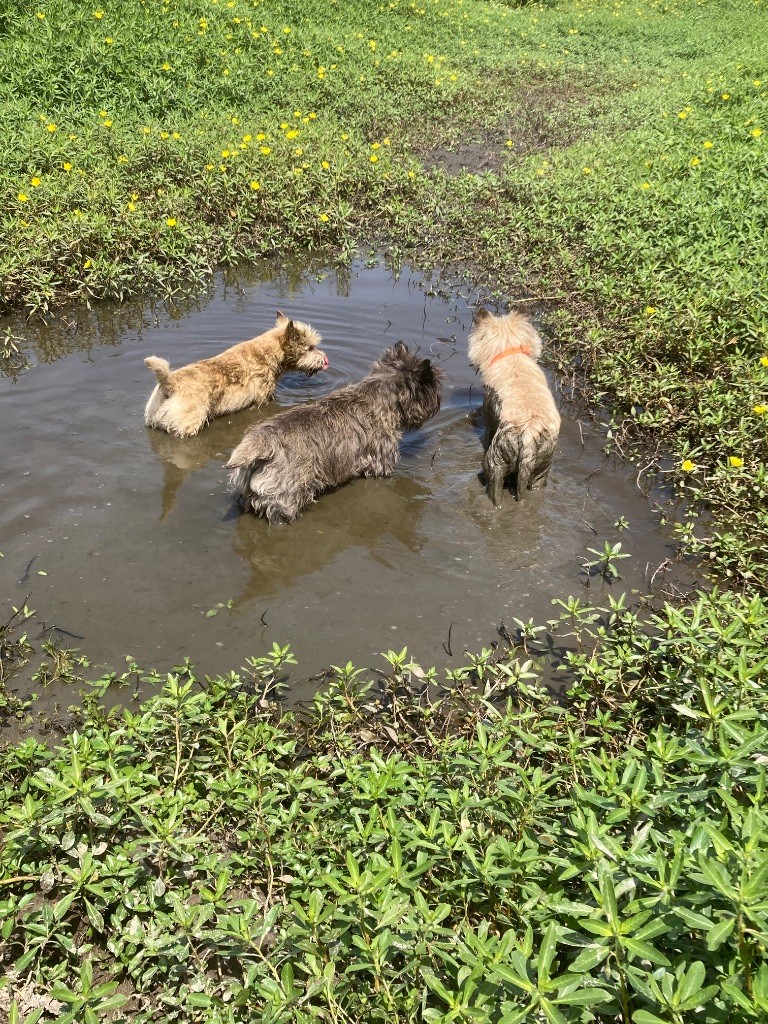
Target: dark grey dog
[[285, 462]]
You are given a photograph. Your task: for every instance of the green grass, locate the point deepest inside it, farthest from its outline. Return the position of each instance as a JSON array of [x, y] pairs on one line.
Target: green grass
[[491, 857]]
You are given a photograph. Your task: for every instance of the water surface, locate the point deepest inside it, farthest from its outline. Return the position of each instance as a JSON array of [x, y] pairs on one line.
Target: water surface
[[139, 538]]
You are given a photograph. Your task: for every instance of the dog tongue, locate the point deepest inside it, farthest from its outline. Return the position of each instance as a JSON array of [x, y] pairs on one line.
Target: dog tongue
[[326, 364]]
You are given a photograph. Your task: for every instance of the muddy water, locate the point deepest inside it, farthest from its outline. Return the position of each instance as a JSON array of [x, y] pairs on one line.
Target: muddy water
[[138, 537]]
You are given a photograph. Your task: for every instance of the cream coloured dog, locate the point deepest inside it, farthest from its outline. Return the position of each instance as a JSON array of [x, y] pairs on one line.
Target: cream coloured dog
[[246, 374], [521, 420]]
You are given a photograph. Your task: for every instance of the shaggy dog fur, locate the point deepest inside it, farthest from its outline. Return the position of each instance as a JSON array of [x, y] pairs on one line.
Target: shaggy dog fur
[[521, 421], [285, 462], [184, 400]]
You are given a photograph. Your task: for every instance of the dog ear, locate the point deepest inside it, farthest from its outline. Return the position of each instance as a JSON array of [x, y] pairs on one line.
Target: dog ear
[[392, 355], [430, 373], [292, 334], [481, 313], [280, 318]]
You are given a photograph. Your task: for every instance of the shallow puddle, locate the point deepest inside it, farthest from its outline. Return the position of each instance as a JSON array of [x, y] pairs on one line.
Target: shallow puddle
[[138, 537]]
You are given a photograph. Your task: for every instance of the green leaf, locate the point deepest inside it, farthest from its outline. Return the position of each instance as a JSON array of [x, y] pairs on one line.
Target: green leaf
[[547, 952], [589, 958], [716, 936], [646, 951], [691, 981], [585, 997]]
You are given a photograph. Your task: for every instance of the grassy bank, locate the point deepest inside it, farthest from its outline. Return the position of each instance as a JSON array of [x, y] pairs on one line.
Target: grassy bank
[[492, 857]]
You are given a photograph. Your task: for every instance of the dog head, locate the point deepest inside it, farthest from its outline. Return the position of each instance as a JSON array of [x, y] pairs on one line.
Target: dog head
[[491, 335], [300, 346], [418, 384]]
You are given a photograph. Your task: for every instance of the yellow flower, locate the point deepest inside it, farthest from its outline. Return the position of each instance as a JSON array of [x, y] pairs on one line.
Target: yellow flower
[[98, 14], [67, 166], [265, 150], [41, 16], [376, 145], [134, 196], [761, 410], [757, 132], [312, 116], [735, 461], [255, 185], [51, 128], [22, 198], [177, 135], [764, 360], [171, 222], [344, 136], [708, 144], [683, 114], [292, 134], [131, 207], [650, 310], [374, 159], [687, 466], [326, 166], [260, 136], [164, 135], [35, 182], [225, 153], [586, 170], [146, 130], [109, 40], [297, 113], [646, 184], [247, 138], [87, 265], [166, 66], [757, 83], [324, 217], [509, 143], [209, 167], [695, 162], [122, 159], [726, 95], [287, 30], [108, 123]]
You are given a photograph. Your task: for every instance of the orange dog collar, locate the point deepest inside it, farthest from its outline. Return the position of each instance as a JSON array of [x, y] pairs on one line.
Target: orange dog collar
[[511, 352]]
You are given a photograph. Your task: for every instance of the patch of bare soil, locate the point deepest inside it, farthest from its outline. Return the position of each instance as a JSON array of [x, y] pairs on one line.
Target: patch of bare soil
[[542, 116]]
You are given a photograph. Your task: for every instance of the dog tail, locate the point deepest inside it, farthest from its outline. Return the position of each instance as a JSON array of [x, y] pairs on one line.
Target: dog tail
[[162, 370], [255, 451]]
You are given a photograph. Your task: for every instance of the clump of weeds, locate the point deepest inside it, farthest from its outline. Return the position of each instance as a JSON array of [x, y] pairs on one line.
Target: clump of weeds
[[483, 852]]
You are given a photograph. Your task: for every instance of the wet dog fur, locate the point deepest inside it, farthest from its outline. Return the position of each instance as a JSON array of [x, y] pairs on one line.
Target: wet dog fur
[[184, 400], [285, 462], [521, 420]]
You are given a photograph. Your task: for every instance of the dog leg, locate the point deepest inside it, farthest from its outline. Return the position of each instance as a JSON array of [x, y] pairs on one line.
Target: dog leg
[[494, 477]]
